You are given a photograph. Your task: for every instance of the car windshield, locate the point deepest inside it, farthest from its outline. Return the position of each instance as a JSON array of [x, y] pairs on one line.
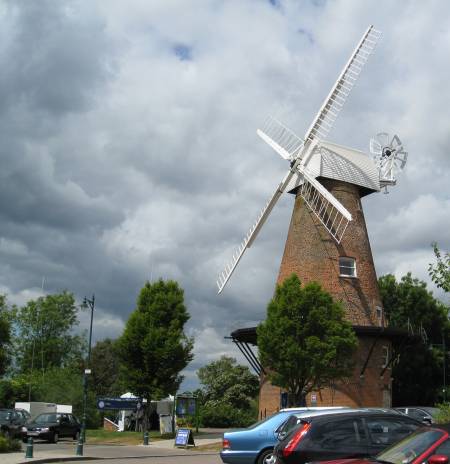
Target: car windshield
[[5, 415], [46, 418], [410, 447]]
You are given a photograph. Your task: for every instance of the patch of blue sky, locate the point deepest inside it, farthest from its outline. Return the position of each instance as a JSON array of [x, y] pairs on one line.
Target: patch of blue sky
[[183, 52]]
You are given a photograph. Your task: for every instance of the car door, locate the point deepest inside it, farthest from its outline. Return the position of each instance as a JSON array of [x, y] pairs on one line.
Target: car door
[[74, 426], [337, 438], [64, 426], [385, 430]]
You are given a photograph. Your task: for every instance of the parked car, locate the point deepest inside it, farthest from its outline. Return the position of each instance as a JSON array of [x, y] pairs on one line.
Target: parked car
[[12, 421], [424, 414], [52, 427], [426, 445], [349, 434], [254, 445]]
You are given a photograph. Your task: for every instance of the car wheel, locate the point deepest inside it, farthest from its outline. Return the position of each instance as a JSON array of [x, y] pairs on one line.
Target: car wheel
[[266, 457], [55, 437], [77, 435]]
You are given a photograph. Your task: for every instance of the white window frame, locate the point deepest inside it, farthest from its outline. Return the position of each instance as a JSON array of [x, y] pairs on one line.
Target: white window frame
[[379, 314], [348, 263]]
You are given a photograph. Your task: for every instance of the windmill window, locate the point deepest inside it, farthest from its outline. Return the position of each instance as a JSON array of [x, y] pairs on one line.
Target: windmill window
[[379, 311], [347, 267]]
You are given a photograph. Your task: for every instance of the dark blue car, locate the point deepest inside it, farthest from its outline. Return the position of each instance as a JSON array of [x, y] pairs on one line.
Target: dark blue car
[[255, 444]]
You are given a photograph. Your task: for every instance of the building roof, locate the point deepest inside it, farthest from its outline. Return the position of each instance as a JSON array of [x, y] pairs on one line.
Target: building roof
[[334, 161], [248, 334]]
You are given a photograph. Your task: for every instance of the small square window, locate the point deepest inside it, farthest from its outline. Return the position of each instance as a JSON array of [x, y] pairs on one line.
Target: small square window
[[347, 267]]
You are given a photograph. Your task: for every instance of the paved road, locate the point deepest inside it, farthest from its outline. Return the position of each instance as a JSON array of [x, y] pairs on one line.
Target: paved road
[[158, 452], [189, 459]]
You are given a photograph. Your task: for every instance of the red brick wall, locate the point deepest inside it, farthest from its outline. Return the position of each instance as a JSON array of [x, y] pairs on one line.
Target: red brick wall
[[370, 390], [313, 255]]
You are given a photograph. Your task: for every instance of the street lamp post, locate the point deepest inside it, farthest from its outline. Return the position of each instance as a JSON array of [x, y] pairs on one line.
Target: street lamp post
[[87, 303]]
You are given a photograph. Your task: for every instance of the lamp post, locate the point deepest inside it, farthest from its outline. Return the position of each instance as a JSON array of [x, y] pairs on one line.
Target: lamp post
[[87, 303]]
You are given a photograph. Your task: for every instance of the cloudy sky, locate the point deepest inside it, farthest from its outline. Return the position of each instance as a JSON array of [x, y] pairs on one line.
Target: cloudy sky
[[128, 146]]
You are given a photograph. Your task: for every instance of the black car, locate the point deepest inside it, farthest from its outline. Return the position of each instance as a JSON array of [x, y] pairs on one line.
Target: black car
[[424, 414], [12, 421], [52, 427], [350, 434]]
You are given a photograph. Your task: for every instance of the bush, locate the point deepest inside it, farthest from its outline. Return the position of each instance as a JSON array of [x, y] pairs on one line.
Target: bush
[[225, 415], [7, 445], [444, 413]]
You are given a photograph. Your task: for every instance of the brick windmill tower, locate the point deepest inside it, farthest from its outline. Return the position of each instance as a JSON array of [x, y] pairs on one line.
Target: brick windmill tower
[[327, 239]]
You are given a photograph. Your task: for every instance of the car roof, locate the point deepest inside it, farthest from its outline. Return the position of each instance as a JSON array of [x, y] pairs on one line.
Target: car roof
[[359, 411], [313, 413], [312, 408]]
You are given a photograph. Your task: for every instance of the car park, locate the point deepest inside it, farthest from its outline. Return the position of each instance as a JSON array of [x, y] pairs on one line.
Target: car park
[[52, 427], [425, 414], [349, 434], [427, 445], [12, 421], [254, 445]]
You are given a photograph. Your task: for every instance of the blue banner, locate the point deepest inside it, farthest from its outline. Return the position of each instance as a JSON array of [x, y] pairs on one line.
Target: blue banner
[[130, 404]]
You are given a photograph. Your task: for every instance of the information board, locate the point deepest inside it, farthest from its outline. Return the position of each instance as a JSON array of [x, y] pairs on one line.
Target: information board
[[184, 438], [119, 403]]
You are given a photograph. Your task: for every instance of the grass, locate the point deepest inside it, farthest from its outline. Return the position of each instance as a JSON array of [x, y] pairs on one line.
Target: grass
[[100, 436]]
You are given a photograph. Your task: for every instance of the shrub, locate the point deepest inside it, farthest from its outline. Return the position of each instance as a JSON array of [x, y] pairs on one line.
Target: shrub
[[444, 413], [225, 415], [7, 445]]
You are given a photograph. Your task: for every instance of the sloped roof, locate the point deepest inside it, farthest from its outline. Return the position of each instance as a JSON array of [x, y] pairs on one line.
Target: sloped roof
[[334, 161]]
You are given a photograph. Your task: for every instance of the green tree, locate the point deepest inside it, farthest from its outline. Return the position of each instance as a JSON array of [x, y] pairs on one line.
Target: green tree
[[305, 343], [44, 333], [104, 380], [409, 305], [226, 381], [440, 271], [153, 348], [5, 336], [228, 393]]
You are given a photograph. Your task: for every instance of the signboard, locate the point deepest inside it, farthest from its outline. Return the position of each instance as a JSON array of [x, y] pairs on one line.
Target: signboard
[[184, 438], [128, 404], [185, 406]]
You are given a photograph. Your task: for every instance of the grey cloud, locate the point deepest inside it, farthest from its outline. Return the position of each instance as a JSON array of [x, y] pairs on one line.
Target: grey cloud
[[122, 162]]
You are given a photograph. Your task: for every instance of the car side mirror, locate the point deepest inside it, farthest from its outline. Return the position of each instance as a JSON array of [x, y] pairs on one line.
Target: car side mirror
[[438, 459], [281, 436]]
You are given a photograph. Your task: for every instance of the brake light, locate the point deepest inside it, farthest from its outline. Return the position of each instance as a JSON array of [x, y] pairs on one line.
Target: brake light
[[226, 444], [295, 440]]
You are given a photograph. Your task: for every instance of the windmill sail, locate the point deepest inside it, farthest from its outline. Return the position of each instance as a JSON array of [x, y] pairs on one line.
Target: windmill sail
[[326, 116], [225, 275], [280, 138], [331, 213]]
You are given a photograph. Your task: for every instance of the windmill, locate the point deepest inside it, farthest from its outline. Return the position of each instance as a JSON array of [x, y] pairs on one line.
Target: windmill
[[327, 239]]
